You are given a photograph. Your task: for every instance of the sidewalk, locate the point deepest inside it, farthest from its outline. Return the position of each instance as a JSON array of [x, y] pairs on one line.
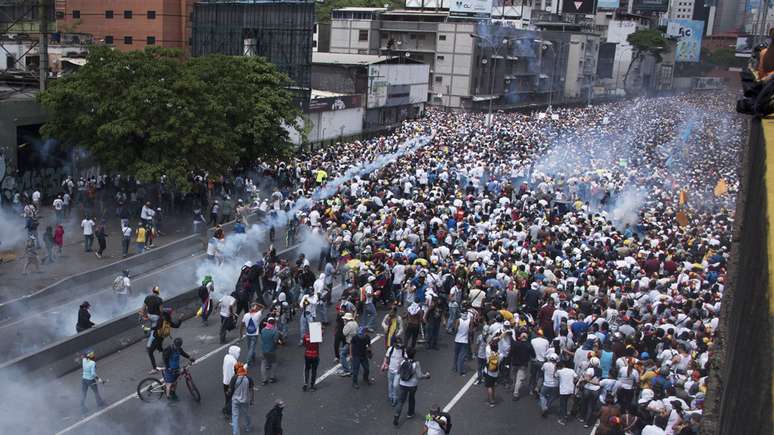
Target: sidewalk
[[73, 259]]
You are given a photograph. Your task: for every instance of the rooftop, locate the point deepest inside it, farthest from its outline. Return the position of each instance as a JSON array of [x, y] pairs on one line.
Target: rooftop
[[346, 59], [360, 9]]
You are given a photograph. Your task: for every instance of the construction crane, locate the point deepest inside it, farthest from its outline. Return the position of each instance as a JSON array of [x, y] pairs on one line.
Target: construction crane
[[25, 20]]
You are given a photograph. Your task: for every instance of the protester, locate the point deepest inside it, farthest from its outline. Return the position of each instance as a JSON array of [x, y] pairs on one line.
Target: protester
[[89, 379]]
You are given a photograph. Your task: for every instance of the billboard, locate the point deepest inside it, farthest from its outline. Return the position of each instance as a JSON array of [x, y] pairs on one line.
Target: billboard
[[608, 4], [471, 8], [585, 7], [688, 34], [651, 5], [327, 104]]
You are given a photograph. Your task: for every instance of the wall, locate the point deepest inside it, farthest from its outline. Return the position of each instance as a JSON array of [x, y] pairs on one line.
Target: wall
[[168, 27], [456, 68], [330, 125], [739, 400], [385, 80], [345, 37], [339, 78]]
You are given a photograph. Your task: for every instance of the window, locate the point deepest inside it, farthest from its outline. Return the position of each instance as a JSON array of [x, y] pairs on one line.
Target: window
[[442, 37], [76, 14], [128, 40], [151, 40], [109, 15], [128, 15], [421, 37], [151, 15], [439, 58], [438, 79], [362, 35], [412, 36], [60, 15], [108, 40]]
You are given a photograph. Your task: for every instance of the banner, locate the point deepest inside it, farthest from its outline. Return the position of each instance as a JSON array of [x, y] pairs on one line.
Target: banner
[[471, 8], [721, 188], [328, 104], [688, 34], [585, 7], [608, 4]]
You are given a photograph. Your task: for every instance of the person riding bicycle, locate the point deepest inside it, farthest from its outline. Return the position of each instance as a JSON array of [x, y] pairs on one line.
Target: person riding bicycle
[[172, 356]]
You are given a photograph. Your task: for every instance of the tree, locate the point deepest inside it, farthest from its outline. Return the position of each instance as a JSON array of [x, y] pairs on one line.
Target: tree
[[152, 113], [645, 42]]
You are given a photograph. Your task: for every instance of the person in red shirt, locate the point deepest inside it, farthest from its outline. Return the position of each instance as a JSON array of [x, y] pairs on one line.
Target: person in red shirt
[[311, 361]]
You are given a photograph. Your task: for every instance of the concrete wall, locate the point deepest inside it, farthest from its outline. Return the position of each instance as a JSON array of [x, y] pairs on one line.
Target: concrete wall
[[740, 386], [340, 78], [345, 37]]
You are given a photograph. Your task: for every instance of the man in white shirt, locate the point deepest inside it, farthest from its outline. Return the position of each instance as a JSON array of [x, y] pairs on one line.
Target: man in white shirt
[[250, 328], [550, 389], [227, 315], [126, 239], [566, 377], [398, 276], [88, 232], [58, 205], [540, 345]]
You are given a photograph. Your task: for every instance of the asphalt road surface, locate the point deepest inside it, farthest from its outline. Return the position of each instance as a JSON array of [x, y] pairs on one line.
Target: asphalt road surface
[[335, 408], [32, 330]]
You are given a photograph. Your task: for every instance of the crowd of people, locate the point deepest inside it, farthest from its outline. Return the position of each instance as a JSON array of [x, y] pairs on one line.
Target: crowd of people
[[576, 257]]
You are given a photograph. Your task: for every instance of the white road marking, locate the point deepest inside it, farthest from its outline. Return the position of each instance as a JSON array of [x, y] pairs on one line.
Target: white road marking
[[335, 368], [460, 393]]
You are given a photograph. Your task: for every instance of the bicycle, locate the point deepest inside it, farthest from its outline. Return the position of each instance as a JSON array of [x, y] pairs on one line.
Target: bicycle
[[153, 389]]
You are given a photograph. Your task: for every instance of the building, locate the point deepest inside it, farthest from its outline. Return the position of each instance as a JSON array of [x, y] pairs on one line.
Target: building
[[281, 32], [681, 9], [477, 63], [394, 88], [331, 116], [129, 24]]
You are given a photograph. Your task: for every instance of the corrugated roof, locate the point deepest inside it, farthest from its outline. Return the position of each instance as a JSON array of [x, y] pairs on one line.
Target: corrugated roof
[[346, 59]]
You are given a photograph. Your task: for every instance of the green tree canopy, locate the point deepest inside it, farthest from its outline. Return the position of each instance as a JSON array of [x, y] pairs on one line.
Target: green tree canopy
[[645, 42], [149, 113]]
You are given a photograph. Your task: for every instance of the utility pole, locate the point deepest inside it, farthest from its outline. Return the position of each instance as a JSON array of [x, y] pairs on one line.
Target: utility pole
[[43, 9]]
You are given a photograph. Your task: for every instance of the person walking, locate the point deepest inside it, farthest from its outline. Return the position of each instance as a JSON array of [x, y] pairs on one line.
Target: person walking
[[250, 329], [393, 326], [84, 318], [409, 374], [273, 425], [122, 286], [491, 371], [31, 256], [269, 338], [359, 354], [48, 241], [101, 234], [520, 355], [230, 361], [550, 389], [461, 342], [141, 238], [206, 292], [242, 396], [88, 232], [311, 361], [59, 238], [349, 330], [126, 239], [89, 379], [566, 377], [227, 315], [391, 364]]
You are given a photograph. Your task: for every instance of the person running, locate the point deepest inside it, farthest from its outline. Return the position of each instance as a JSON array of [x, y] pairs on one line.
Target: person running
[[311, 361], [242, 392], [171, 355], [410, 373], [206, 294], [227, 315], [89, 379]]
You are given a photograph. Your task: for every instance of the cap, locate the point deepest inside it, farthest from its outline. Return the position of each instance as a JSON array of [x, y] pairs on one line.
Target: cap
[[279, 403], [348, 316]]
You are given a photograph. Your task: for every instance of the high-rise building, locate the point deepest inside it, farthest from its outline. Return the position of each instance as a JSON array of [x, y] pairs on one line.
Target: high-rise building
[[129, 24]]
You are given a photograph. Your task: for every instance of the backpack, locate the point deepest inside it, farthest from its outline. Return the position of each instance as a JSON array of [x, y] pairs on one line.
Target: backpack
[[407, 370], [492, 362], [165, 330], [448, 428], [204, 293], [118, 283], [251, 327]]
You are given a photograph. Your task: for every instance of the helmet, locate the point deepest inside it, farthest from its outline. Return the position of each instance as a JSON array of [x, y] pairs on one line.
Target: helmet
[[178, 342]]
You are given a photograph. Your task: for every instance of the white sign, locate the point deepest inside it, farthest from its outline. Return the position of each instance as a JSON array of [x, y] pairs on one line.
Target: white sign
[[479, 8], [315, 332]]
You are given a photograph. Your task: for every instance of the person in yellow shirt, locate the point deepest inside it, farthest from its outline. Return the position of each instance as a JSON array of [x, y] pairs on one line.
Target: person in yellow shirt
[[140, 240], [321, 176]]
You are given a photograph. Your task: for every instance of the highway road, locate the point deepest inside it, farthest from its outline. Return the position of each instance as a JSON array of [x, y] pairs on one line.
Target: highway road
[[29, 331], [336, 408]]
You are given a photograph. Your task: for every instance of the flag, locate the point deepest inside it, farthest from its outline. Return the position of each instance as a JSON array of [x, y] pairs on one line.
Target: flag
[[683, 197], [721, 188], [682, 219]]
